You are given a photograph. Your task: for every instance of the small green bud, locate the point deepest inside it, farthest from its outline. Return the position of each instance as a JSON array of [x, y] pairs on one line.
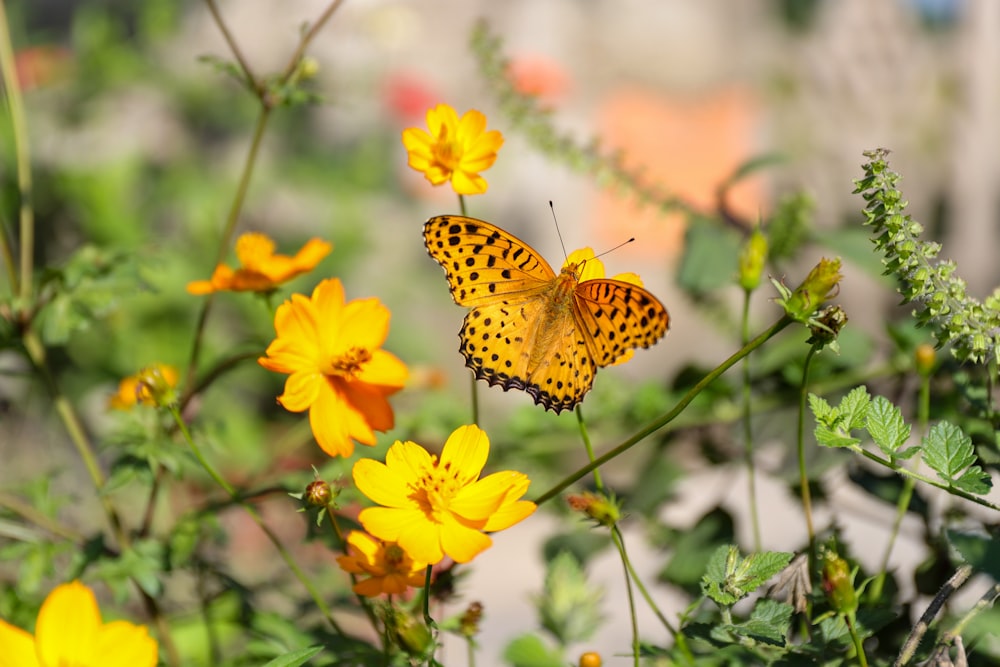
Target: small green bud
[[308, 68], [600, 508], [818, 286], [838, 584], [753, 256], [414, 637], [319, 494]]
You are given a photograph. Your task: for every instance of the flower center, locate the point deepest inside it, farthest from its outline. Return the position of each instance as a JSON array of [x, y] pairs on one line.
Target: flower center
[[435, 489], [395, 557], [447, 151], [350, 363]]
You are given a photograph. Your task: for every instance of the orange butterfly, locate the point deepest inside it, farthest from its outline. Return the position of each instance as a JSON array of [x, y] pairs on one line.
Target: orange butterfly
[[529, 328]]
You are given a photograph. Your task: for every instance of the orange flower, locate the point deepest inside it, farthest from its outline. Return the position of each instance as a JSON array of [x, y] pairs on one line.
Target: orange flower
[[69, 631], [436, 507], [594, 268], [455, 150], [152, 385], [261, 269], [331, 350], [389, 568]]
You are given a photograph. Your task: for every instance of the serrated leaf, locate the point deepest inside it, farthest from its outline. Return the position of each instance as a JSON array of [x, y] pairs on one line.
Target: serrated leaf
[[530, 651], [768, 623], [853, 408], [295, 658], [821, 409], [713, 583], [830, 438], [886, 426], [947, 450], [975, 480], [757, 568], [729, 579]]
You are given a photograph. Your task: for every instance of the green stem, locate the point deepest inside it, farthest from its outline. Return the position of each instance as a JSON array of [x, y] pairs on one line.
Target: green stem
[[670, 415], [643, 590], [747, 425], [598, 484], [314, 29], [285, 554], [620, 545], [427, 598], [801, 448], [19, 125], [859, 646]]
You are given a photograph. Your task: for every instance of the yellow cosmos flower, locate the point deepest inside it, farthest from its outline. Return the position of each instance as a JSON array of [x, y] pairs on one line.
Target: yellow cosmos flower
[[389, 568], [439, 507], [69, 633], [152, 385], [261, 269], [594, 268], [331, 350], [456, 149]]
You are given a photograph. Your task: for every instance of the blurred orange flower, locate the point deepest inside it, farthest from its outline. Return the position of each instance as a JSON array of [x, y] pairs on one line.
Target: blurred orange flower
[[331, 350], [69, 631], [389, 568], [150, 386], [456, 149], [593, 268], [261, 269], [436, 507]]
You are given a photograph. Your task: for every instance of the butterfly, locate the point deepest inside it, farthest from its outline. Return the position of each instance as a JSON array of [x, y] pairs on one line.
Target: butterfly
[[529, 328]]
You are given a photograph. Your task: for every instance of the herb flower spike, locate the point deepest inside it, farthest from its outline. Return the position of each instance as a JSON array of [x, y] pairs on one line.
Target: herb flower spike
[[456, 149], [261, 269], [69, 631], [331, 350], [436, 507]]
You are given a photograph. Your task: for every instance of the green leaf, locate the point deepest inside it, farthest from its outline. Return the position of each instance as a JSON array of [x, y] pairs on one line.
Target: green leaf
[[975, 480], [295, 658], [948, 451], [710, 257], [569, 606], [768, 623], [728, 578], [886, 426], [821, 410], [530, 651], [830, 438], [981, 552], [853, 408], [692, 548]]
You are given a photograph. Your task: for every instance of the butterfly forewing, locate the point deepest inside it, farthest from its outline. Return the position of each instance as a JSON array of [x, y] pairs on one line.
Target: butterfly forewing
[[619, 316], [483, 262]]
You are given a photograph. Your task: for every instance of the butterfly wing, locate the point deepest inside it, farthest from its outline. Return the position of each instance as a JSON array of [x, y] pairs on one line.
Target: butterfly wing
[[617, 316], [532, 347], [484, 263]]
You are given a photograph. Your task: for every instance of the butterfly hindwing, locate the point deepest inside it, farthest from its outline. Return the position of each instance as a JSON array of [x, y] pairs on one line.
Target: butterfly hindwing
[[618, 317], [483, 262]]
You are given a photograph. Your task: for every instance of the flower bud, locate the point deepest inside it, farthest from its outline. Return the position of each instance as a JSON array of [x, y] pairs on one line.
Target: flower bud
[[598, 507], [413, 635], [319, 494], [590, 659], [838, 584], [924, 357], [468, 624], [818, 286], [753, 256], [308, 68], [826, 326]]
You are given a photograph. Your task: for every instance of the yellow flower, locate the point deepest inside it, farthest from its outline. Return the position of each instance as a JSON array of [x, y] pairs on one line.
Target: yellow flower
[[389, 568], [331, 350], [152, 385], [594, 268], [69, 632], [456, 149], [261, 269], [439, 507]]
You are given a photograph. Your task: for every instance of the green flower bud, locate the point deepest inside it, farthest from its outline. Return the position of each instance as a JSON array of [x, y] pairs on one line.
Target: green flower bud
[[600, 508], [838, 584], [753, 256], [818, 286]]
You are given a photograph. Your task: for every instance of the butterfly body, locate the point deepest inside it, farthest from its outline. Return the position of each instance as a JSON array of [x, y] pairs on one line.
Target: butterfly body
[[532, 329]]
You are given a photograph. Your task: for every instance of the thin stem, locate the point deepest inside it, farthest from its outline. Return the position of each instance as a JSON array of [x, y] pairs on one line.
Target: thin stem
[[916, 634], [859, 646], [620, 545], [285, 554], [33, 515], [308, 37], [598, 484], [251, 79], [747, 425], [801, 448], [427, 598], [670, 415], [642, 588], [19, 126]]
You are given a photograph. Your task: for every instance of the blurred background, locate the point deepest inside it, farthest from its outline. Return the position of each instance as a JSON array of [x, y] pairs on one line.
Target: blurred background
[[138, 137]]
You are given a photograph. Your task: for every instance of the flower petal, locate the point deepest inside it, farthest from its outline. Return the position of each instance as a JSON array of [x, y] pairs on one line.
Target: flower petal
[[368, 410], [301, 390], [382, 484], [122, 644], [410, 461], [468, 184], [385, 370], [476, 502], [409, 528], [66, 630], [461, 542], [17, 647], [509, 514], [363, 323], [466, 451], [329, 419]]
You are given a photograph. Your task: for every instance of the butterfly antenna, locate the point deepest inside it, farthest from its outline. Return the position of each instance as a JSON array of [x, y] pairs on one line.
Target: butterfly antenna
[[558, 233], [610, 250]]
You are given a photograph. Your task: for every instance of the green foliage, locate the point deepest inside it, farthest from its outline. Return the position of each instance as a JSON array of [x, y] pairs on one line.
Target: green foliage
[[569, 607], [730, 578], [295, 658]]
